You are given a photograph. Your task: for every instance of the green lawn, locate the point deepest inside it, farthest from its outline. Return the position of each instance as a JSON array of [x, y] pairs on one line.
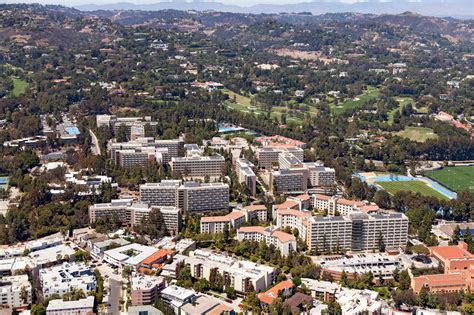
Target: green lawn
[[369, 93], [410, 185], [244, 104], [19, 86], [402, 101], [418, 134], [457, 178]]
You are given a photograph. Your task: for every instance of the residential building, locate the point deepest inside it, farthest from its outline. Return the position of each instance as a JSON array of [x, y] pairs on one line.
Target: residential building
[[64, 278], [198, 166], [294, 219], [218, 224], [278, 141], [131, 255], [352, 301], [132, 213], [234, 219], [289, 181], [201, 197], [270, 156], [164, 193], [79, 307], [255, 212], [176, 297], [141, 156], [161, 150], [357, 231], [153, 261], [11, 289], [284, 242], [335, 205], [145, 289], [27, 143], [188, 196], [284, 288], [242, 275], [143, 310], [205, 305], [246, 175], [319, 175]]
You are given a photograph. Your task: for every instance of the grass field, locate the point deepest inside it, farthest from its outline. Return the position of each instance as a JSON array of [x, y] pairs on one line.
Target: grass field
[[402, 101], [410, 185], [458, 178], [244, 104], [418, 134], [19, 86], [369, 93]]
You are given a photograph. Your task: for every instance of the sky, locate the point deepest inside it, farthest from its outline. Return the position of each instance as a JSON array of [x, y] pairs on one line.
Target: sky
[[81, 2]]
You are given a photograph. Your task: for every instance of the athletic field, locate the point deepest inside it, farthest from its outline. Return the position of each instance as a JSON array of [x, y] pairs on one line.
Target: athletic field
[[410, 185], [457, 178]]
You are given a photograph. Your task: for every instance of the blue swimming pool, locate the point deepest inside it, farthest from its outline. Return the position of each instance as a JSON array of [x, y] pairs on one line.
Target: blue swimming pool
[[3, 182], [73, 131]]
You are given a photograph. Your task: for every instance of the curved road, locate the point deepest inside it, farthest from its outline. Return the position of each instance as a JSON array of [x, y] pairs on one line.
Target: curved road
[[95, 143]]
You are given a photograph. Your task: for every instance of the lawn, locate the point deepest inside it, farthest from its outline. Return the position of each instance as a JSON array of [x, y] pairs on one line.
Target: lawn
[[418, 134], [457, 178], [402, 101], [19, 86], [244, 104], [369, 93], [410, 185]]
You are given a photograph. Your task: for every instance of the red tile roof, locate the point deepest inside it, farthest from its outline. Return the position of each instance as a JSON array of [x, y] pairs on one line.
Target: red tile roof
[[268, 296]]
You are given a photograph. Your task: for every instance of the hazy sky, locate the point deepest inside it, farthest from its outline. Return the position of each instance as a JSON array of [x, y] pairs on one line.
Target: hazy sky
[[80, 2]]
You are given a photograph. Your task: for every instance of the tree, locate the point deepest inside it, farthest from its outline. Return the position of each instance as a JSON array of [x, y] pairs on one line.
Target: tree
[[333, 309], [230, 293], [153, 225], [382, 199], [381, 243], [24, 295], [405, 280], [456, 235], [423, 296], [344, 278]]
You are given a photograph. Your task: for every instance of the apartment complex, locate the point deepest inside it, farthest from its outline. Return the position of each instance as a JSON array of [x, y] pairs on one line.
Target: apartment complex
[[269, 156], [135, 126], [289, 180], [284, 242], [356, 230], [242, 275], [11, 291], [141, 150], [64, 278], [198, 166], [218, 224], [132, 213], [188, 196], [335, 205], [246, 175], [164, 193], [145, 289], [60, 307], [234, 219], [319, 175]]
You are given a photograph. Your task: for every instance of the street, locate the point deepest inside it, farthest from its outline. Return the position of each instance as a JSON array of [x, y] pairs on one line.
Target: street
[[114, 297]]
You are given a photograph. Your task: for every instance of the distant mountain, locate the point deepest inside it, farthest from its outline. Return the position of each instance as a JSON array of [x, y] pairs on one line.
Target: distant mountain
[[442, 8]]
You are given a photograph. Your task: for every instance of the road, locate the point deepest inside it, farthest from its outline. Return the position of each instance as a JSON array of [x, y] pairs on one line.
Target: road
[[114, 297], [95, 143]]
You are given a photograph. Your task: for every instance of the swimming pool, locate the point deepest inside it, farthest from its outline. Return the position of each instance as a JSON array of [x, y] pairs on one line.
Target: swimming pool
[[3, 182], [72, 131]]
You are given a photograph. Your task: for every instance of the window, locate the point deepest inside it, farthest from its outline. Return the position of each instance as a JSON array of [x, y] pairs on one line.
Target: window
[[143, 313]]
